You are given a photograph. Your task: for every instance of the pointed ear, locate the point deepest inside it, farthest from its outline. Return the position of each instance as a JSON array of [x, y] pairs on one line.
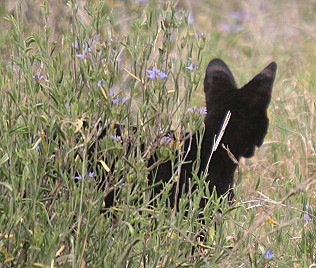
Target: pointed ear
[[257, 93], [219, 82]]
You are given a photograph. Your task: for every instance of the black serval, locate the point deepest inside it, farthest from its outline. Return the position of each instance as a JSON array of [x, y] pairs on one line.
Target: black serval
[[235, 124]]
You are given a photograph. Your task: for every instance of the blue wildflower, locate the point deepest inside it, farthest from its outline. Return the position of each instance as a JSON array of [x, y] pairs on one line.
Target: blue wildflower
[[192, 110], [190, 67], [38, 78], [76, 46], [268, 255], [114, 138], [237, 15], [165, 140], [80, 56], [306, 217], [203, 111], [124, 100], [152, 73], [67, 107], [91, 174], [162, 76], [116, 101], [86, 49], [225, 28], [78, 178], [190, 19], [200, 110], [170, 38], [100, 83], [113, 92]]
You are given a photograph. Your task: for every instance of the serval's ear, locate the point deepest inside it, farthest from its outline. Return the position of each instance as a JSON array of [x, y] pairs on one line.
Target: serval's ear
[[219, 83], [257, 93]]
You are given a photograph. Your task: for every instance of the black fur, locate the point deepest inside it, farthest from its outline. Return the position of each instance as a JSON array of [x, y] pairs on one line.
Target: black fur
[[246, 129]]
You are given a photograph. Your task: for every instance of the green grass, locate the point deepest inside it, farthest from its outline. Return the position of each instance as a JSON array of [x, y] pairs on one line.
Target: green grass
[[48, 220]]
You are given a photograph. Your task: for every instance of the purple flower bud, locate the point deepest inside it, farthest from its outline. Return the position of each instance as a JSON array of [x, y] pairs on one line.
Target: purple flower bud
[[268, 255]]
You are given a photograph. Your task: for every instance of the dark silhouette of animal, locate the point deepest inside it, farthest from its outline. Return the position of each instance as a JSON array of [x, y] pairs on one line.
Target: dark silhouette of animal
[[222, 144]]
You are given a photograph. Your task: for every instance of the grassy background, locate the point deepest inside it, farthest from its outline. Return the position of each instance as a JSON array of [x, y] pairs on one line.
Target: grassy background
[[63, 62]]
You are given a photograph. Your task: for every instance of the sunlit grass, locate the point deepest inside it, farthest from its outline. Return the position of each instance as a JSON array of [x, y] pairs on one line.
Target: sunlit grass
[[63, 64]]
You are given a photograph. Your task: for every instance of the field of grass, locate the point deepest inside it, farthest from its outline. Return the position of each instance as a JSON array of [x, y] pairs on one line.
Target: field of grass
[[65, 62]]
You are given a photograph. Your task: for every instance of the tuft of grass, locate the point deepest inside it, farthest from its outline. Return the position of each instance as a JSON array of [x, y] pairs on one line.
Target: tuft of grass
[[141, 63]]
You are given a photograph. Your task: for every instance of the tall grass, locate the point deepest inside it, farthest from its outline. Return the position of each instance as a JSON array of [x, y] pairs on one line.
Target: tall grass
[[64, 64]]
